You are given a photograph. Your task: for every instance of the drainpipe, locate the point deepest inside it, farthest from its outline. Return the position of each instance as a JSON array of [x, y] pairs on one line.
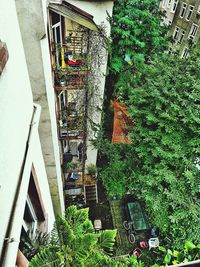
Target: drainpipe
[[195, 263], [12, 239]]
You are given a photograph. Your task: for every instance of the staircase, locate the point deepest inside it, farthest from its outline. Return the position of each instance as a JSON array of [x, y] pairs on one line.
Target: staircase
[[91, 193]]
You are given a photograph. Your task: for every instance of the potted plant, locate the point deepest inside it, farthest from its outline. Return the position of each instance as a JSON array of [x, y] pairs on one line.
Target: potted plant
[[91, 169], [61, 77]]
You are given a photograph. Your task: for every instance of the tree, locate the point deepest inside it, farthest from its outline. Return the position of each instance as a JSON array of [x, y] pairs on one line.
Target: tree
[[73, 242], [163, 101], [136, 33]]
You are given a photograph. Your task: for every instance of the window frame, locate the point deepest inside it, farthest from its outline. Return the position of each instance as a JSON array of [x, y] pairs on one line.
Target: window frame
[[176, 33], [183, 10], [192, 35], [185, 52], [189, 12], [169, 3], [198, 10], [181, 36], [174, 6], [164, 3]]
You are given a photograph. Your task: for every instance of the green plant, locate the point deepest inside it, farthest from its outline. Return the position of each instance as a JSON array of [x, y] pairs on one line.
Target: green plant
[[70, 165], [136, 33], [190, 252], [74, 243], [91, 169], [32, 242], [160, 164]]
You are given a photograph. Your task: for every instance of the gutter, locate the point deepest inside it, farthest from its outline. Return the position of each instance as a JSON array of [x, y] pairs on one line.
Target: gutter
[[12, 239], [187, 264]]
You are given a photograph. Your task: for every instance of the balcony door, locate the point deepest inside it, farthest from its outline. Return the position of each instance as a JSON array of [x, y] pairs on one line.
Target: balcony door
[[57, 39]]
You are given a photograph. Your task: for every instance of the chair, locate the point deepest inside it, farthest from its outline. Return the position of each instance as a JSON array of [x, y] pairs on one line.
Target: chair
[[97, 225], [153, 242]]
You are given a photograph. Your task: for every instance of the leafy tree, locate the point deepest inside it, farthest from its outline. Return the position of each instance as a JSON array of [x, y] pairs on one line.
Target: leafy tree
[[136, 33], [73, 242], [163, 101]]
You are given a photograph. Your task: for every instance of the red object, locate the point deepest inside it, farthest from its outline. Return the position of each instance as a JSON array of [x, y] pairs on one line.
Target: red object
[[74, 62], [143, 244], [137, 253], [121, 124]]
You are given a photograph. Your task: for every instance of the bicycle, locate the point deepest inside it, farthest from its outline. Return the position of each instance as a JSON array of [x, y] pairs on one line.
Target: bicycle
[[130, 232]]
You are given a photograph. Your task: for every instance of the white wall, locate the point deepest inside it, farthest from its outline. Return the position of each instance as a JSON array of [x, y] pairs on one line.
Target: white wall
[[16, 109], [33, 25]]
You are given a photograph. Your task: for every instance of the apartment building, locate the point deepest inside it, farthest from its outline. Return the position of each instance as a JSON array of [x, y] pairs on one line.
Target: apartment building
[[184, 18], [28, 131], [46, 125], [78, 32]]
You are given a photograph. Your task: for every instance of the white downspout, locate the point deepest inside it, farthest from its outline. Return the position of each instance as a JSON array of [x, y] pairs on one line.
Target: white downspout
[[14, 228]]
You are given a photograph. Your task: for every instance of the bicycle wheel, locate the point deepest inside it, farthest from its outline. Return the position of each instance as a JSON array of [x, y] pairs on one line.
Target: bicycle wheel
[[126, 225], [131, 238]]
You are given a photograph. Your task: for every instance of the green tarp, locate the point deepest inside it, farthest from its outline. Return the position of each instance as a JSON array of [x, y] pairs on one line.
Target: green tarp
[[137, 217]]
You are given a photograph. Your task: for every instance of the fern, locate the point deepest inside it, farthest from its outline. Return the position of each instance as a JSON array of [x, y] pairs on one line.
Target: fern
[[46, 258], [106, 240], [33, 242]]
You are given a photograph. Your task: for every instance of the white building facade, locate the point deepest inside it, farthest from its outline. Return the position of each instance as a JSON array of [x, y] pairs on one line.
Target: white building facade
[[27, 203], [31, 177]]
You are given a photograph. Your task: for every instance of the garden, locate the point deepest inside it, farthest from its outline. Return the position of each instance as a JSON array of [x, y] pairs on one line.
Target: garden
[[158, 169]]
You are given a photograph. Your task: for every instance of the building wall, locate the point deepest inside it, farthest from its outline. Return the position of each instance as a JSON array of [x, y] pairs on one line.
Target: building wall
[[16, 113], [98, 10], [33, 24], [183, 24]]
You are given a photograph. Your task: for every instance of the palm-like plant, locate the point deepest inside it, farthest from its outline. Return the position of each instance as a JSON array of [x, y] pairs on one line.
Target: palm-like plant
[[73, 242], [32, 242]]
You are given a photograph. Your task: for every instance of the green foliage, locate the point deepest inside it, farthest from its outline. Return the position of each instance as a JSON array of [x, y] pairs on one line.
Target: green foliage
[[32, 242], [106, 241], [190, 252], [136, 33], [46, 258], [91, 169], [74, 243], [160, 164], [116, 174], [165, 108]]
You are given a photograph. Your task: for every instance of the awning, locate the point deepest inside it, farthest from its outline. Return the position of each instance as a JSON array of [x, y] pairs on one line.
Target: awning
[[72, 15], [121, 124]]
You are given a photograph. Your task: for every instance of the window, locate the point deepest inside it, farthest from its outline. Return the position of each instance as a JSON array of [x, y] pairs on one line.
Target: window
[[176, 33], [170, 50], [183, 10], [189, 14], [181, 36], [34, 212], [185, 52], [193, 31], [30, 218], [62, 100], [164, 3], [174, 6], [169, 3]]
